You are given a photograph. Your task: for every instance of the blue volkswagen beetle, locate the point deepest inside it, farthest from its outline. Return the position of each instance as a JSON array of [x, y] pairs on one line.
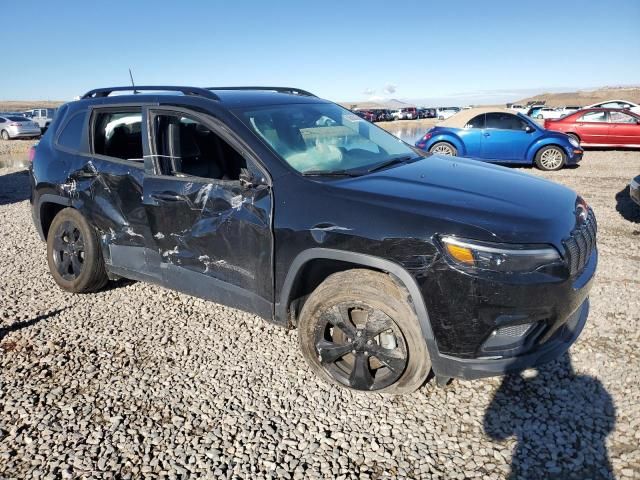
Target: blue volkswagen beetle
[[501, 136]]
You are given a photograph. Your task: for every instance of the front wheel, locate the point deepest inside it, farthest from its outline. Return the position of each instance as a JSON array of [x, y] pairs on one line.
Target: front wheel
[[358, 330], [539, 117], [550, 158], [5, 135], [73, 253], [443, 148]]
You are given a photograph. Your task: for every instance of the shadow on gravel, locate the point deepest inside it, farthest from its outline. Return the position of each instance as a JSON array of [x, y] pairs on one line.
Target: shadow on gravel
[[561, 421], [627, 207], [14, 187], [4, 331]]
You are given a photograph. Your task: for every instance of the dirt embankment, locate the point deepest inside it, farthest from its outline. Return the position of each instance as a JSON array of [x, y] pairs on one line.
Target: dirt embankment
[[586, 97]]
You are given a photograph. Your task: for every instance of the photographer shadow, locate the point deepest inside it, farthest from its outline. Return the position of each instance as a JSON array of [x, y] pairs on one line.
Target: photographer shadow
[[560, 419]]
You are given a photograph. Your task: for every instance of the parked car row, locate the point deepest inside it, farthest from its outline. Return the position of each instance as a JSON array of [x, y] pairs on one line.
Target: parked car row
[[406, 113]]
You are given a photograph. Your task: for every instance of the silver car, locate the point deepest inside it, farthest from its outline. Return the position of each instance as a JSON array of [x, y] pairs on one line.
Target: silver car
[[14, 126]]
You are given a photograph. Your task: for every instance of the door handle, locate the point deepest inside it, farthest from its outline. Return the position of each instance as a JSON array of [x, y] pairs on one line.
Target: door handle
[[486, 134], [168, 197]]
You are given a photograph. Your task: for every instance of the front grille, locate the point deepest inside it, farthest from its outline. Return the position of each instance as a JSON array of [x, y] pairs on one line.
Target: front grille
[[580, 244]]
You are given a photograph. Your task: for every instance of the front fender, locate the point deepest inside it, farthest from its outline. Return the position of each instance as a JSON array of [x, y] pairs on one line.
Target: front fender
[[361, 259], [543, 142], [454, 140]]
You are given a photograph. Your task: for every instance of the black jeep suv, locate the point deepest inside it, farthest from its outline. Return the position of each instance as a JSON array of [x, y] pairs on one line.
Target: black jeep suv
[[391, 262]]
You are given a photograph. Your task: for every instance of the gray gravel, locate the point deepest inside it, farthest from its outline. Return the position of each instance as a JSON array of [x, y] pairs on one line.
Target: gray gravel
[[137, 381]]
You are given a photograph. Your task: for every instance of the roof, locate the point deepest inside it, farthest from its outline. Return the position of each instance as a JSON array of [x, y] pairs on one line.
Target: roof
[[460, 119]]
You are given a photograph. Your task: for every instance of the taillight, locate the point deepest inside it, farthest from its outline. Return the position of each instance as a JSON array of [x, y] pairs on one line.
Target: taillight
[[14, 124], [427, 136], [32, 154]]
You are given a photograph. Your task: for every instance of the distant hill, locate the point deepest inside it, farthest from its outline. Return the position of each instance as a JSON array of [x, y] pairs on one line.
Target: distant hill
[[21, 105], [586, 97]]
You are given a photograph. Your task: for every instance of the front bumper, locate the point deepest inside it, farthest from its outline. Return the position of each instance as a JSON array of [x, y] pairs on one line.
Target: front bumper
[[634, 190], [558, 344], [487, 327], [574, 155]]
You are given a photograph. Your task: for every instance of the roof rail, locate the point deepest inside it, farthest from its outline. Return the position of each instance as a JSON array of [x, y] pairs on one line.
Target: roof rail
[[197, 91], [291, 90]]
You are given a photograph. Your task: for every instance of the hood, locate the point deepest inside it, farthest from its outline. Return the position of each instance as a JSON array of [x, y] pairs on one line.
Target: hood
[[455, 196]]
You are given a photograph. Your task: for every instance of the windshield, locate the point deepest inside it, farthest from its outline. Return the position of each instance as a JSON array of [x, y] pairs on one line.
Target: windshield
[[323, 137]]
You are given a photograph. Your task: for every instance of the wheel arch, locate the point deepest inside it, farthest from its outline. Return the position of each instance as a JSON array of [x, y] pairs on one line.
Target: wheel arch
[[49, 205], [294, 288], [536, 146]]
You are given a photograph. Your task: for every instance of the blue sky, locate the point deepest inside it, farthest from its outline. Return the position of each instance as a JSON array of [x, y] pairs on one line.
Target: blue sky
[[341, 50]]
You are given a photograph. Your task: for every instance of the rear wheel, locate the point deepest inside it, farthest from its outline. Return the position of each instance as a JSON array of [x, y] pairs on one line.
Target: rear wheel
[[550, 158], [443, 148], [358, 330], [539, 117], [5, 135], [73, 253]]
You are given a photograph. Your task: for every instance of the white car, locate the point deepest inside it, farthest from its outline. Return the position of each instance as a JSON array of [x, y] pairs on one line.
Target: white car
[[550, 112], [634, 107], [519, 108], [446, 112]]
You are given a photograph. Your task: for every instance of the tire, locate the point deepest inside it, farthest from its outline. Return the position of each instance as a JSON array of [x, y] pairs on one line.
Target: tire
[[73, 253], [5, 135], [443, 148], [539, 117], [550, 158], [574, 136], [371, 299]]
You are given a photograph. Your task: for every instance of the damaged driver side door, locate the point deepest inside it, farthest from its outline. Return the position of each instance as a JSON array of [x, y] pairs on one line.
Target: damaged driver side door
[[208, 203]]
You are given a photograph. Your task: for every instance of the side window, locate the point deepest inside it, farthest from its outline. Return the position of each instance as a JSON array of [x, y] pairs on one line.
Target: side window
[[71, 135], [118, 133], [599, 117], [504, 121], [185, 146], [476, 122], [2, 120], [619, 117]]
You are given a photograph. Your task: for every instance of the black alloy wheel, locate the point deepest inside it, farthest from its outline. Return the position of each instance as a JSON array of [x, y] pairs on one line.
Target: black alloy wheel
[[68, 251], [360, 347]]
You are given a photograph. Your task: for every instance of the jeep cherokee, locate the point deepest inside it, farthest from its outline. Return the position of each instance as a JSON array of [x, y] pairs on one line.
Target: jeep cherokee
[[391, 262]]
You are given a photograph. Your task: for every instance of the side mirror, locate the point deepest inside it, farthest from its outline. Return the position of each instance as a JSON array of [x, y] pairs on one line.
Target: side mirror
[[529, 129]]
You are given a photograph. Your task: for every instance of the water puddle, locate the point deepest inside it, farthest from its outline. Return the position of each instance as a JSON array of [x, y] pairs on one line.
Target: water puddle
[[14, 160], [408, 133]]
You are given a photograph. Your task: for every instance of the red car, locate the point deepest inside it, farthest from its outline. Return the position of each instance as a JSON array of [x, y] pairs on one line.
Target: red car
[[600, 127]]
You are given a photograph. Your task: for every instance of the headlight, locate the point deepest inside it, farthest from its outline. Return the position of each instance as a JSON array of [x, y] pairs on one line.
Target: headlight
[[498, 257], [574, 142]]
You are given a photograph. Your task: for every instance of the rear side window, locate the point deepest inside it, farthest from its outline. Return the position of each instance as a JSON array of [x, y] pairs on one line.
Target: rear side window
[[118, 134], [476, 122], [71, 135], [599, 117], [504, 121]]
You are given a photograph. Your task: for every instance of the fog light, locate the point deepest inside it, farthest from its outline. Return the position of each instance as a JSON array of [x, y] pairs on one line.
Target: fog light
[[508, 337]]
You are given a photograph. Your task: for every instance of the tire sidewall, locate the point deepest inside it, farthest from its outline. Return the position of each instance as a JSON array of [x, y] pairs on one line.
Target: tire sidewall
[[374, 296], [92, 253], [5, 135], [539, 158]]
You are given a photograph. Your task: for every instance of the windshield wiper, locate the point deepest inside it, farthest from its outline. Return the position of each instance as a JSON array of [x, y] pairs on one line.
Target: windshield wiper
[[388, 163], [329, 173]]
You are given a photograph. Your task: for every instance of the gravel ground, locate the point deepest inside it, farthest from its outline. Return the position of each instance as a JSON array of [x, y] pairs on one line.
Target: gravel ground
[[16, 147], [137, 381]]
